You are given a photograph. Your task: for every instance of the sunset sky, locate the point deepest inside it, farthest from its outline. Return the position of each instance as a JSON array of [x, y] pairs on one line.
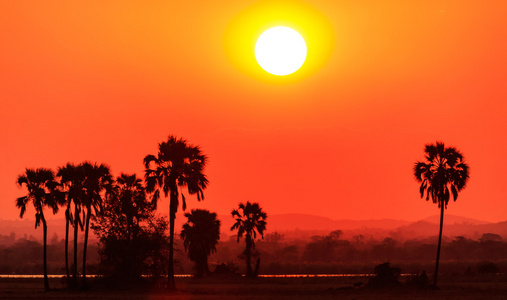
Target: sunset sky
[[106, 81]]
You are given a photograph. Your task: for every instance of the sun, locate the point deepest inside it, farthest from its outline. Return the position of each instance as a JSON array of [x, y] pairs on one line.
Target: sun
[[252, 41], [280, 50]]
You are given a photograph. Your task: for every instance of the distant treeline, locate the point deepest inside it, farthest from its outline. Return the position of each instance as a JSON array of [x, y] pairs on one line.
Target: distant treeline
[[327, 254]]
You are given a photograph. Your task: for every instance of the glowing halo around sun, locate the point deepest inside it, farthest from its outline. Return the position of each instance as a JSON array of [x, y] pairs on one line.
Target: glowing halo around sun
[[280, 50], [246, 27]]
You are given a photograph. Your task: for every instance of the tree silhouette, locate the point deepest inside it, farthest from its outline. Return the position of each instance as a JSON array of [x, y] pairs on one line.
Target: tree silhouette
[[72, 179], [443, 173], [97, 181], [250, 219], [130, 234], [177, 164], [130, 192], [42, 191], [200, 236]]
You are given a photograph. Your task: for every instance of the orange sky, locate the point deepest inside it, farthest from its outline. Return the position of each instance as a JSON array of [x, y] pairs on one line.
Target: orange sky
[[106, 81]]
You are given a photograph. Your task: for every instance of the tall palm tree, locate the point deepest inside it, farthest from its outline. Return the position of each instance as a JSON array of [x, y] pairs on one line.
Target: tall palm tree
[[200, 236], [250, 219], [42, 191], [97, 182], [177, 164], [443, 173], [72, 179]]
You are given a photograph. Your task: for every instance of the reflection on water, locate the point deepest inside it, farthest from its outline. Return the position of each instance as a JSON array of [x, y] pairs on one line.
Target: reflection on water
[[188, 275], [62, 276], [315, 275]]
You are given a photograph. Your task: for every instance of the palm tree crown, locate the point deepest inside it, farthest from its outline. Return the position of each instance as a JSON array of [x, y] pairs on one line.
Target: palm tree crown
[[42, 191], [249, 221], [176, 164], [130, 191], [443, 173]]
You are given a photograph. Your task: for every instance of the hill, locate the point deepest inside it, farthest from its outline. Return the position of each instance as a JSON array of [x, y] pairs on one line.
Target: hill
[[302, 226]]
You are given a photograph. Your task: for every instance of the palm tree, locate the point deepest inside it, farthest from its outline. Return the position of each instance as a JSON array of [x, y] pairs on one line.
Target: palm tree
[[97, 181], [177, 164], [249, 221], [200, 236], [42, 191], [72, 179], [443, 173]]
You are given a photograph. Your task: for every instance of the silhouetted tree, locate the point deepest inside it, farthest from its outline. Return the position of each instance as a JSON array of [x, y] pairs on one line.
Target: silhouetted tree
[[130, 234], [72, 179], [443, 173], [490, 237], [250, 219], [385, 276], [42, 191], [177, 164], [200, 236], [323, 248], [97, 181], [132, 198]]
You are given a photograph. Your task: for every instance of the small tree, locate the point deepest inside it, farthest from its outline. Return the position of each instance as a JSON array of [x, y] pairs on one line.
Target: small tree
[[250, 220]]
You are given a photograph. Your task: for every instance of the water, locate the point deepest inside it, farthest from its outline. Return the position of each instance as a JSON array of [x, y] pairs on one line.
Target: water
[[19, 276]]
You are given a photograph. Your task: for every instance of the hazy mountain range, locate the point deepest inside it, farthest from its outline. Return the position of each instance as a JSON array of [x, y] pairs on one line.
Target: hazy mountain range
[[302, 226]]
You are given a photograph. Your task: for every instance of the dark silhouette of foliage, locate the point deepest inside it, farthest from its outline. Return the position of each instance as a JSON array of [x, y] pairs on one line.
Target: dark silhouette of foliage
[[385, 276], [443, 173], [132, 239], [176, 165], [324, 248], [71, 181], [490, 237], [250, 220], [42, 191], [419, 280], [200, 236], [488, 268], [97, 182]]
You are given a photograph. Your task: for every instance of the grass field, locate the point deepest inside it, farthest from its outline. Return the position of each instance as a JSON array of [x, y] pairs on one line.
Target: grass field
[[492, 287]]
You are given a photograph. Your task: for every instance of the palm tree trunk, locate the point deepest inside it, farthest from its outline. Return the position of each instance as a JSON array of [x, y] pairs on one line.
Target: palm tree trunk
[[206, 267], [76, 224], [131, 250], [88, 215], [67, 221], [439, 242], [170, 272], [46, 281], [247, 253]]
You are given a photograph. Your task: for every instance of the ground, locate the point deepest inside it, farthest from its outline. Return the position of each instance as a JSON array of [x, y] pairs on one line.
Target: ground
[[477, 287]]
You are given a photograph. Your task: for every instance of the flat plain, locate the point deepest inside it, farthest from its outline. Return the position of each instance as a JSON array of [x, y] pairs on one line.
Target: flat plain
[[455, 287]]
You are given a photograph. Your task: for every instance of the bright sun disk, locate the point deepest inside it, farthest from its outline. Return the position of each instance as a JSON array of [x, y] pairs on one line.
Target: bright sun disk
[[280, 50]]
